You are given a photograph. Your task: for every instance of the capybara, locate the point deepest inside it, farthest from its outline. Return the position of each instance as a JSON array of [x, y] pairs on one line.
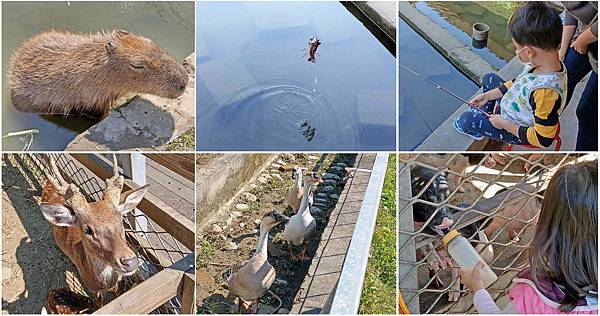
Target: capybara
[[59, 72]]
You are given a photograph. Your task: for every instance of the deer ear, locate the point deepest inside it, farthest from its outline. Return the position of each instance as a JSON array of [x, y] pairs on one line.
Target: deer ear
[[58, 214], [130, 199]]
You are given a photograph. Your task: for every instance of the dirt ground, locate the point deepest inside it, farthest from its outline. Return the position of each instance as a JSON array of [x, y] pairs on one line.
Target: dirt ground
[[505, 256], [32, 263], [216, 254]]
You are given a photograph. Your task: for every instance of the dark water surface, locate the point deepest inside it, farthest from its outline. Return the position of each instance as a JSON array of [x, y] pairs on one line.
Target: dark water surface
[[257, 92], [458, 18], [169, 24], [423, 107]]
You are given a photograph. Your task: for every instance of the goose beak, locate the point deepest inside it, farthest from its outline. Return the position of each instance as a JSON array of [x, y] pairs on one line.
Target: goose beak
[[278, 217]]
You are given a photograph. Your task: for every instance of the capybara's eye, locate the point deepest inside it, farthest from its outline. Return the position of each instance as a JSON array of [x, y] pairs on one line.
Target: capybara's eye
[[137, 66], [88, 231]]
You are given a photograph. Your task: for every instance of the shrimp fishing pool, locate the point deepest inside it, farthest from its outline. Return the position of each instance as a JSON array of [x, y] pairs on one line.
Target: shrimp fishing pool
[[423, 107], [258, 90]]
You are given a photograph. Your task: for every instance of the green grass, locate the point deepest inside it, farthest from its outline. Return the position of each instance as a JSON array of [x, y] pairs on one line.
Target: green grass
[[379, 289], [205, 252], [185, 141]]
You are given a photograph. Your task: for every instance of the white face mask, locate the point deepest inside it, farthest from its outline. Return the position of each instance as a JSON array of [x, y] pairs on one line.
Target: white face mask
[[528, 63]]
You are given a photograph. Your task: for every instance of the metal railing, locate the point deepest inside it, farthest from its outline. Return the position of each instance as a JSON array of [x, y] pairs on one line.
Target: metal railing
[[349, 287]]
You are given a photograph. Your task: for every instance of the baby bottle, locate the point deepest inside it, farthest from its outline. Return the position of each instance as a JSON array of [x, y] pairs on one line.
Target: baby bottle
[[465, 255]]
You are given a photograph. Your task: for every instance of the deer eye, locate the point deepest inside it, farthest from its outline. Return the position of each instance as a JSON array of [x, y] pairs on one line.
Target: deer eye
[[88, 231]]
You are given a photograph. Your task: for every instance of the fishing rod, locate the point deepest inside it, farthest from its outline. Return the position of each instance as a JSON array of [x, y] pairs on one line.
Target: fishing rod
[[444, 89]]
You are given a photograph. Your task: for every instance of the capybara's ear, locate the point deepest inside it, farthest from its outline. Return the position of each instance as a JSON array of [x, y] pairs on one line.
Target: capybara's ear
[[111, 47]]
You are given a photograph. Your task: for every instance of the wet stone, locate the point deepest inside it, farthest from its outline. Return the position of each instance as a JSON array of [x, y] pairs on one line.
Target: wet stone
[[315, 210], [321, 201], [327, 189], [262, 180], [320, 206], [330, 182], [341, 164], [331, 176]]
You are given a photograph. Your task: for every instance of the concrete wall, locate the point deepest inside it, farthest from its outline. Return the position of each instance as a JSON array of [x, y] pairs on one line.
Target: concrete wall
[[221, 178]]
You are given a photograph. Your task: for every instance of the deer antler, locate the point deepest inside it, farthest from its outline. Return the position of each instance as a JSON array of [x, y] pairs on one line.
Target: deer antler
[[57, 180], [114, 184]]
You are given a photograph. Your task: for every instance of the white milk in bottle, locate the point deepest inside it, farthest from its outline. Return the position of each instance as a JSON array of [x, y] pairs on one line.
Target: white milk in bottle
[[466, 256]]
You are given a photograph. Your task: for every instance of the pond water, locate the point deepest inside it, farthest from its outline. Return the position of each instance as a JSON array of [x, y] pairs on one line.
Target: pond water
[[256, 90], [169, 24], [458, 18], [423, 107]]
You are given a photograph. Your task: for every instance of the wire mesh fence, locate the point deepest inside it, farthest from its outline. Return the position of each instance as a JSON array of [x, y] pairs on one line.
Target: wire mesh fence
[[155, 248], [494, 201]]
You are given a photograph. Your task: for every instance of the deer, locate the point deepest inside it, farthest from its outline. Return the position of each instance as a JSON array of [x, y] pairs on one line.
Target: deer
[[91, 234]]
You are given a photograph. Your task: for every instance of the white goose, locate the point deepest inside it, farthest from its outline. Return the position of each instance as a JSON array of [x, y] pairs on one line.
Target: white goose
[[252, 278], [302, 225], [294, 194]]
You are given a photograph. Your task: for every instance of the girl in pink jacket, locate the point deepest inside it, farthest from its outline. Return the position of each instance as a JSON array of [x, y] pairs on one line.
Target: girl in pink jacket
[[562, 276]]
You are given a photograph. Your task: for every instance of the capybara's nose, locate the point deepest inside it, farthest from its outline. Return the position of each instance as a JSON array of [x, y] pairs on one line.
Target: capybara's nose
[[129, 264]]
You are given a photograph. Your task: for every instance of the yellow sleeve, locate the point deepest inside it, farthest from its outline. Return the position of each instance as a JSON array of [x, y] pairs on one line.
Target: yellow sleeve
[[545, 104]]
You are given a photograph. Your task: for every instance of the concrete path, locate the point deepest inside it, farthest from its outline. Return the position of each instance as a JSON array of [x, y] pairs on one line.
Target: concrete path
[[320, 283]]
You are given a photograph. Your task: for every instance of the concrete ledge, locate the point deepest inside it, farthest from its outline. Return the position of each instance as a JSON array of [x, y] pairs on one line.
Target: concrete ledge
[[145, 122], [221, 179], [379, 17], [383, 13], [459, 54]]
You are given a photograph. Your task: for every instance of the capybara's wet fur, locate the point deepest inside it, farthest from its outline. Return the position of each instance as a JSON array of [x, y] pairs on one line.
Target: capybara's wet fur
[[59, 72]]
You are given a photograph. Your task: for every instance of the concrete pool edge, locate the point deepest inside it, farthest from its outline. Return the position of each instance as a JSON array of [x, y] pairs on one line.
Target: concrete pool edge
[[455, 51], [466, 61], [379, 18]]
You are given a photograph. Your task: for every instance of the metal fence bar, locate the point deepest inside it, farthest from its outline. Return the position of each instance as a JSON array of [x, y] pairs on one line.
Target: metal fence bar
[[347, 295], [406, 269]]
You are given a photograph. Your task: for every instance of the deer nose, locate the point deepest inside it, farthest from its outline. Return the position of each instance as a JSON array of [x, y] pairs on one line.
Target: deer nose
[[130, 264]]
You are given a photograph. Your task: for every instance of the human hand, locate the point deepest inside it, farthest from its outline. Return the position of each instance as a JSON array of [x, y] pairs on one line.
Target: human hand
[[580, 46], [562, 53], [472, 279], [479, 100], [497, 121], [583, 40]]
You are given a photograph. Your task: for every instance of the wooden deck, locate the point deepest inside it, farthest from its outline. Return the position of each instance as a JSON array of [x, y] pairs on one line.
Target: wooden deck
[[171, 187]]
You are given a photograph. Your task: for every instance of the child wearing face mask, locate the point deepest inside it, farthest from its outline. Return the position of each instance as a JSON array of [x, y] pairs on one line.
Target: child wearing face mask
[[523, 111]]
